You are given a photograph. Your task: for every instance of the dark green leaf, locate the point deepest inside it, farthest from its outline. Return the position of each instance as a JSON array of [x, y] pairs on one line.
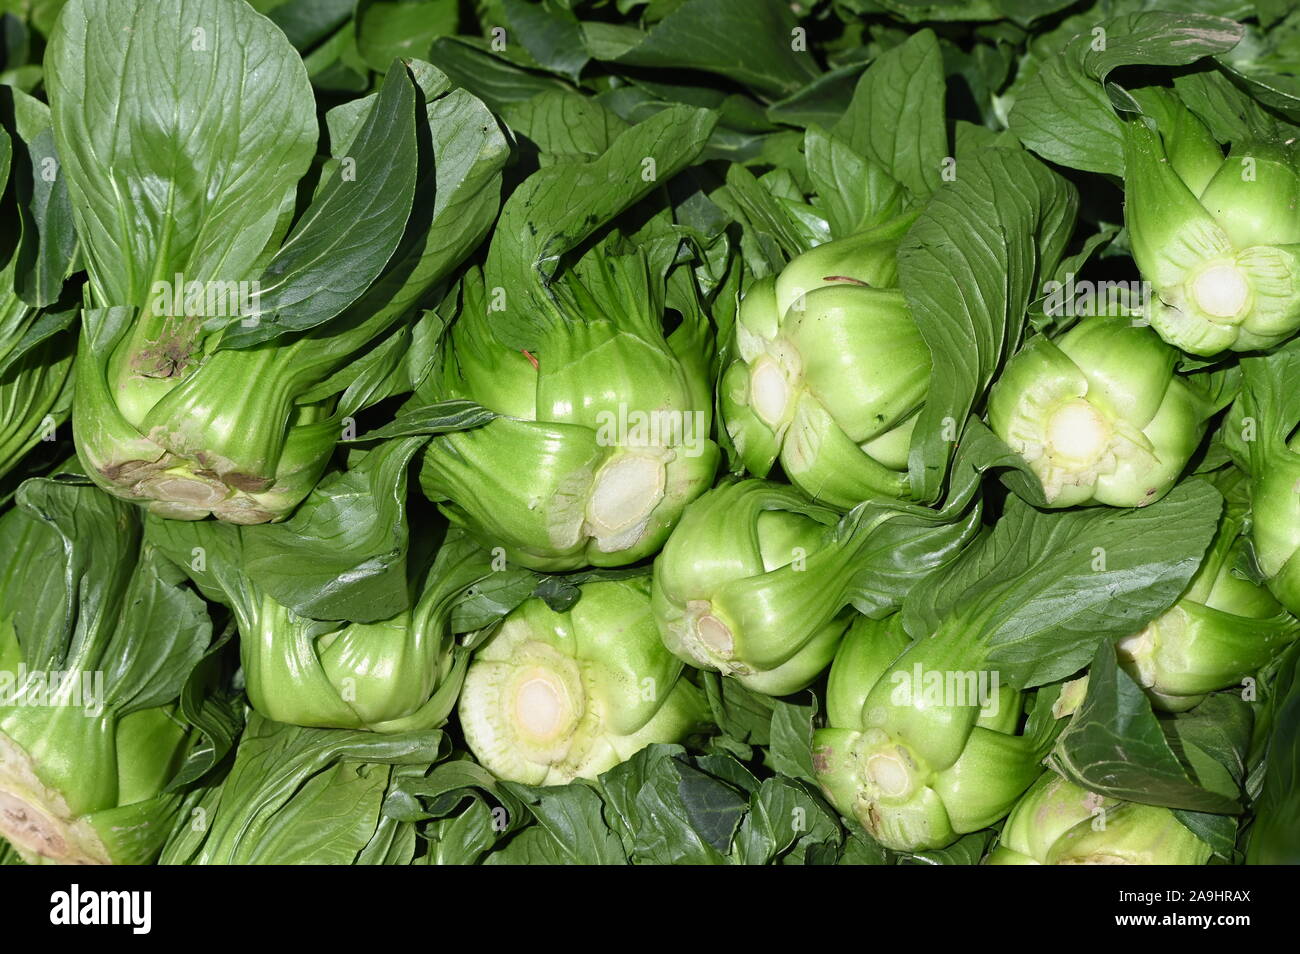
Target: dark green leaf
[[1063, 112], [749, 41], [348, 234], [1115, 746], [969, 268], [342, 555]]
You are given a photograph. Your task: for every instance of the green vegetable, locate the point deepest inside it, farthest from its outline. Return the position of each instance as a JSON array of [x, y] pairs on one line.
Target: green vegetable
[[663, 806], [1275, 837], [1059, 823], [1115, 744], [303, 796], [1223, 629], [36, 343], [389, 675], [1099, 414], [917, 749], [1261, 433], [753, 585], [555, 696], [924, 739], [228, 339], [989, 577], [97, 638], [1219, 239], [35, 378], [606, 433], [756, 580], [832, 371]]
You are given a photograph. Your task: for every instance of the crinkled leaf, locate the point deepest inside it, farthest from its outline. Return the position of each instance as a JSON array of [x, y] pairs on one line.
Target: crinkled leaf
[[342, 555], [559, 206], [1039, 592], [896, 117], [748, 41], [1063, 113], [1116, 746], [969, 268], [1275, 836], [350, 231], [570, 816], [164, 176], [790, 753]]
